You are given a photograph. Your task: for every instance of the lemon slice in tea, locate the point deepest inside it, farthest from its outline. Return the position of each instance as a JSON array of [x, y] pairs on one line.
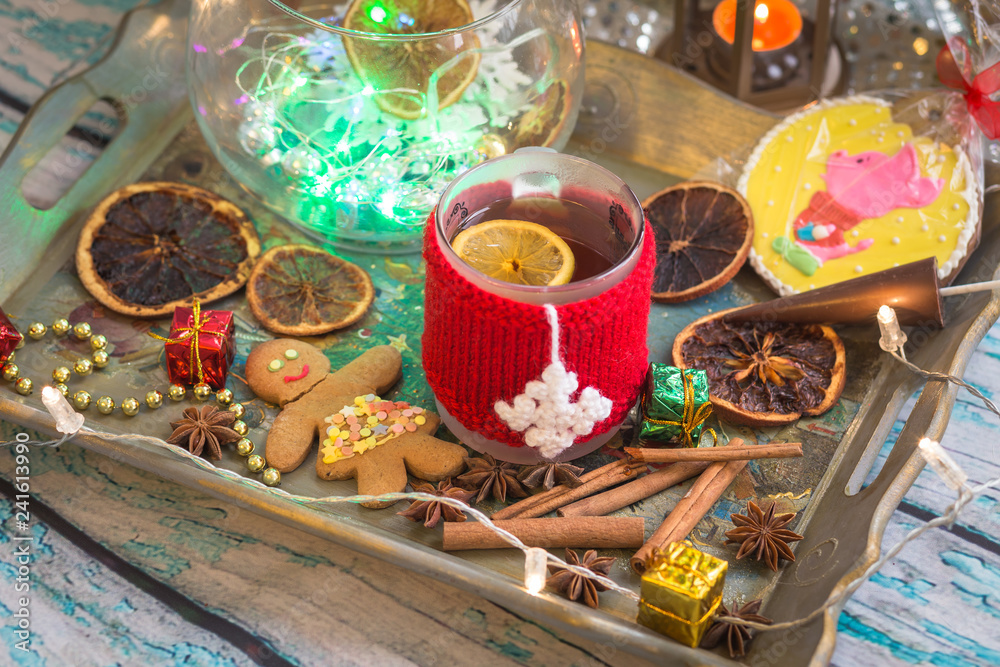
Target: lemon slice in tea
[[299, 290], [516, 251], [400, 71]]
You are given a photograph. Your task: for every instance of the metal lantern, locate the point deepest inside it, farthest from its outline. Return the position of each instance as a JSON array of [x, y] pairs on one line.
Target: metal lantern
[[775, 54]]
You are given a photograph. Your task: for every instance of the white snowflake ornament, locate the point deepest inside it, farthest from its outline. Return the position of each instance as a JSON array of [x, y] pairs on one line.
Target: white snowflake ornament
[[546, 413]]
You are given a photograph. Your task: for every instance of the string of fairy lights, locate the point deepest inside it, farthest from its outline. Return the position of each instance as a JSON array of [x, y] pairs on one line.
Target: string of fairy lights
[[314, 125], [70, 423], [892, 340], [313, 121]]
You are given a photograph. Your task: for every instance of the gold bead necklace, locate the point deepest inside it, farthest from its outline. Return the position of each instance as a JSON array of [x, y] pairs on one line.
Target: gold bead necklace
[[81, 400]]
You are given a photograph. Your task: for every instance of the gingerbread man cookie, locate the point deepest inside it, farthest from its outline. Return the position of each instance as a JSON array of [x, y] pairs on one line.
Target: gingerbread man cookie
[[363, 437]]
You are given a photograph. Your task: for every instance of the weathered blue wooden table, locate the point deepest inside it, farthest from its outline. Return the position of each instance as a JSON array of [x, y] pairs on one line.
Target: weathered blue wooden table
[[128, 568]]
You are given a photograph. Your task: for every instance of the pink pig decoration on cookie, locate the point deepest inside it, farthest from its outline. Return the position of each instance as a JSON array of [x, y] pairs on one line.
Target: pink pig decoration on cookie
[[860, 187], [872, 183]]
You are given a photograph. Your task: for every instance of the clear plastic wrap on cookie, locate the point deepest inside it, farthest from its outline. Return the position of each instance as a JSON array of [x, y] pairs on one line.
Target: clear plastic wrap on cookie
[[854, 185]]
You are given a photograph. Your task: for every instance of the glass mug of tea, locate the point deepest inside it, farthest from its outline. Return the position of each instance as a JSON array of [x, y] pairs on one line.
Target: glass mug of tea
[[525, 371]]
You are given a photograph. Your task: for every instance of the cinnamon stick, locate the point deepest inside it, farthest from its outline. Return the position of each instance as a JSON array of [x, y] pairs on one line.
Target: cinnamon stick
[[593, 481], [691, 509], [591, 532], [626, 494], [774, 450]]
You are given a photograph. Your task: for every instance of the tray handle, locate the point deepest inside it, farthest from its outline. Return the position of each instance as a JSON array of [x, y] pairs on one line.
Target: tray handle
[[152, 103], [835, 552]]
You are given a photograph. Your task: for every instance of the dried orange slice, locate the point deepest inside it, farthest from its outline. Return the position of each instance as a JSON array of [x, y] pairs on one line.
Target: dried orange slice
[[150, 247], [764, 373], [543, 123], [516, 251], [703, 236], [299, 290], [400, 71]]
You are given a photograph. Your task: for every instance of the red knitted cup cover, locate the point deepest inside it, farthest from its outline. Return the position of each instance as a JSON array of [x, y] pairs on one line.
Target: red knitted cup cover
[[479, 347]]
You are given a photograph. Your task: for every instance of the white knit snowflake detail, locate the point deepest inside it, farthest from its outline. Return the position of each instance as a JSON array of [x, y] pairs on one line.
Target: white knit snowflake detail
[[545, 412]]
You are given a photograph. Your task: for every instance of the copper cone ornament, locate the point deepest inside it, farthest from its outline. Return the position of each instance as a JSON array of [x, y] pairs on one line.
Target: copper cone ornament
[[912, 290]]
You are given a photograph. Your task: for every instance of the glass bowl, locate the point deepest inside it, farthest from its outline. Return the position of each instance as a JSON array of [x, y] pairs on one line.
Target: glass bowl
[[353, 133]]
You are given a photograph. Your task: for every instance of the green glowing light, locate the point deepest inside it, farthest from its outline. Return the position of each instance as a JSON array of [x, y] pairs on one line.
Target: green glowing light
[[386, 205], [352, 158], [377, 14]]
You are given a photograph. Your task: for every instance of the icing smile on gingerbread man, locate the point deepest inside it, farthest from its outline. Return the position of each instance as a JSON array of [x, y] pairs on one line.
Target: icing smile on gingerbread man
[[294, 378], [278, 363]]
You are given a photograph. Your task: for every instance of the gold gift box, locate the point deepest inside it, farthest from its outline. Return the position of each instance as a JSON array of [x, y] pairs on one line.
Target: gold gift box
[[681, 589]]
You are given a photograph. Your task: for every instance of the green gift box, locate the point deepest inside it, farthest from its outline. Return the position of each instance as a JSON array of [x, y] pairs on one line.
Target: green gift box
[[674, 404]]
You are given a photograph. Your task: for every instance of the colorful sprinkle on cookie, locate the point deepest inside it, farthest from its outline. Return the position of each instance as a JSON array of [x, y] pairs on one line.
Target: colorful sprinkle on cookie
[[368, 424]]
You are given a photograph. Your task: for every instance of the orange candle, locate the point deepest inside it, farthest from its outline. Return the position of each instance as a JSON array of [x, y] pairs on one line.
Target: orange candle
[[776, 23]]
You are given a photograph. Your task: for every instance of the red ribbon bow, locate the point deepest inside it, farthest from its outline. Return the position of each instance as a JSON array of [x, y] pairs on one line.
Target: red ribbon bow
[[977, 94]]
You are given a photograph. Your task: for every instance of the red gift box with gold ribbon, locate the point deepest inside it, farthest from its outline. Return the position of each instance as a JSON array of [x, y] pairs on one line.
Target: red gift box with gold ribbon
[[200, 347], [9, 337]]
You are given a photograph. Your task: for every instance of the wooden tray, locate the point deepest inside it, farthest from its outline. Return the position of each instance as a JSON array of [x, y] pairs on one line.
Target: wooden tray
[[654, 127]]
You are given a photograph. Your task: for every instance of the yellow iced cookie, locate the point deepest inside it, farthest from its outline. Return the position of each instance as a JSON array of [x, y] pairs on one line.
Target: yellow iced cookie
[[841, 190]]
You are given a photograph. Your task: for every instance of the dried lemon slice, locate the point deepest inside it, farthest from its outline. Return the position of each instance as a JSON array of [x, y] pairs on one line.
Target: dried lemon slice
[[703, 236], [299, 290], [516, 251], [400, 71], [545, 121], [150, 247], [764, 373]]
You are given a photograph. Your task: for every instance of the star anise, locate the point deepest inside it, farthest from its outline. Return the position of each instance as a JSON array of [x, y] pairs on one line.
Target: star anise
[[488, 475], [737, 636], [549, 475], [576, 586], [763, 362], [764, 533], [204, 431], [432, 511]]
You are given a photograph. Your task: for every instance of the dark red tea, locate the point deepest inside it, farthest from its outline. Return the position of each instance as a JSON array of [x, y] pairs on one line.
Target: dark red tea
[[588, 235]]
